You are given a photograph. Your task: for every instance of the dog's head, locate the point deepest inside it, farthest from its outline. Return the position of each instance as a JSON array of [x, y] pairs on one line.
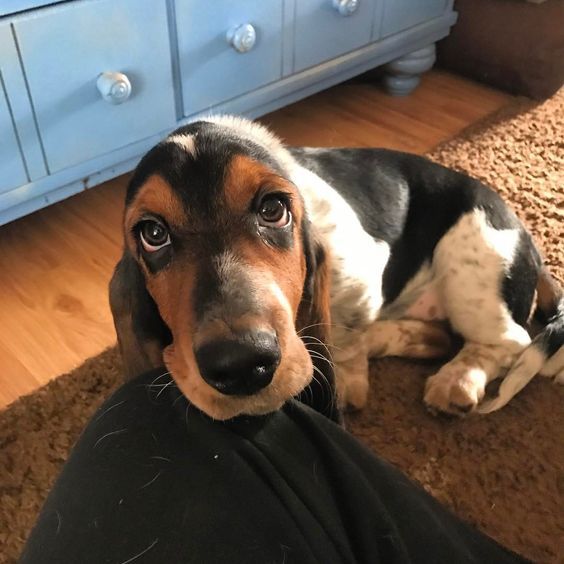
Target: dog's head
[[222, 274]]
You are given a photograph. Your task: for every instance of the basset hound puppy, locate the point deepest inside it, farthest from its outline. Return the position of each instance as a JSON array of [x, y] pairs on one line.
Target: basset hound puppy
[[257, 272]]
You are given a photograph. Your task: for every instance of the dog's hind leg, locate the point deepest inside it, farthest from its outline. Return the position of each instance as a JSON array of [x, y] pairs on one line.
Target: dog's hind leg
[[472, 264]]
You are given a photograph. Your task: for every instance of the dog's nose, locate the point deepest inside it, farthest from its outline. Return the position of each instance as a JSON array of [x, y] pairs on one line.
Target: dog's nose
[[241, 366]]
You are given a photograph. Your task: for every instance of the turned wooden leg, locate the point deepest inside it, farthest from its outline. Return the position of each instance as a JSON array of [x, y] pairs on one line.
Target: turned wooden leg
[[404, 74]]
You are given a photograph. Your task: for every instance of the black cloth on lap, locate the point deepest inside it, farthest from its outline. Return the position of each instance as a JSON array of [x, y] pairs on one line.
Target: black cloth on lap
[[152, 479]]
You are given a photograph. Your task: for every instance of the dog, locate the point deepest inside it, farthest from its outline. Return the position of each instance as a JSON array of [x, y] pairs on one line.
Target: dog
[[256, 273]]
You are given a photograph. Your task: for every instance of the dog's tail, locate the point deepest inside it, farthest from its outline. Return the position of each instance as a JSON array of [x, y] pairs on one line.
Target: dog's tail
[[545, 355]]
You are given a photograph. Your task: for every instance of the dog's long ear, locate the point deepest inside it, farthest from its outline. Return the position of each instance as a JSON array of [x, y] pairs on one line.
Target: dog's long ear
[[314, 327], [142, 334]]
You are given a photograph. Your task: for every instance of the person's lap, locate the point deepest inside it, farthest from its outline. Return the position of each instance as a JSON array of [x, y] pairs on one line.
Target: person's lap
[[152, 479]]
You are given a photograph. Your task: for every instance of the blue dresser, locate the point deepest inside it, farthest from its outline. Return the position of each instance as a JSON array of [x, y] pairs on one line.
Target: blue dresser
[[87, 86]]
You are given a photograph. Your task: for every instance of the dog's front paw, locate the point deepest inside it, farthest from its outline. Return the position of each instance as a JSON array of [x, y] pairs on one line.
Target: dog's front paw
[[456, 391]]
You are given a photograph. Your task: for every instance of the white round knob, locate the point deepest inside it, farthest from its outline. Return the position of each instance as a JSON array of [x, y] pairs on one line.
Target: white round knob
[[114, 87], [346, 7], [242, 38]]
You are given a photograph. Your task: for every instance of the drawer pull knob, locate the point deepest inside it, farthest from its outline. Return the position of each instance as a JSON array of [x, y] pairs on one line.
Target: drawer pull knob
[[242, 38], [346, 7], [114, 87]]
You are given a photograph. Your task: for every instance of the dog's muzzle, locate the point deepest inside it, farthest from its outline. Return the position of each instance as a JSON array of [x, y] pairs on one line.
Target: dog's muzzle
[[239, 366]]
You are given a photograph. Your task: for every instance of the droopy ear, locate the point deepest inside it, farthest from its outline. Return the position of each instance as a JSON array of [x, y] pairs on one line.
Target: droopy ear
[[314, 328], [142, 334]]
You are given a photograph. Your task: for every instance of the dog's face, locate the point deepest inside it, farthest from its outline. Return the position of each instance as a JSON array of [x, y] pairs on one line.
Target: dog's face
[[222, 239]]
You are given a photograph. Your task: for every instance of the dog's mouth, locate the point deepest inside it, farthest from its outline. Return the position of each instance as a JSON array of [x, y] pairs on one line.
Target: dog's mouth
[[226, 392]]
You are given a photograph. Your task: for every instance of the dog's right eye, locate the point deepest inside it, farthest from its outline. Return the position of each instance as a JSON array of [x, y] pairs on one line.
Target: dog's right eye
[[274, 212], [154, 235]]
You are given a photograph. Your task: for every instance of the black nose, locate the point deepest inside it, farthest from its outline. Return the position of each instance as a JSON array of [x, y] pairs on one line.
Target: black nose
[[241, 366]]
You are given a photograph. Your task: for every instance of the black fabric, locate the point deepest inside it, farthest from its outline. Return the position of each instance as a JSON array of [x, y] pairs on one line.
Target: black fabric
[[152, 479]]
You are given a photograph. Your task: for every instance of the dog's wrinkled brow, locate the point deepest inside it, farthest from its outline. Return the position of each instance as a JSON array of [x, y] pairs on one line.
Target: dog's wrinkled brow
[[198, 175], [156, 197]]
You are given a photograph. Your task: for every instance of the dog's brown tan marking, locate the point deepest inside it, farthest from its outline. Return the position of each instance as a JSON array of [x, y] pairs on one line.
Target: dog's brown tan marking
[[172, 291], [549, 293], [244, 177], [156, 197]]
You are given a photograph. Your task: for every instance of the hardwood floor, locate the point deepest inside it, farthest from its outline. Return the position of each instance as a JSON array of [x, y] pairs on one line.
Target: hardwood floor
[[55, 264]]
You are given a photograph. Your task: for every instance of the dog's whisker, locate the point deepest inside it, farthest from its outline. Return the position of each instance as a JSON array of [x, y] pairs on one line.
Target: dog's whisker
[[109, 409], [315, 339], [167, 373], [151, 386], [330, 396], [163, 388], [181, 396], [320, 356], [318, 353], [324, 378], [337, 326], [119, 431]]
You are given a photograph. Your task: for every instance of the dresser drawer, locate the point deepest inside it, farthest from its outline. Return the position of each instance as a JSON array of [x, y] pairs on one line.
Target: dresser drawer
[[403, 14], [64, 52], [12, 169], [325, 29], [227, 48]]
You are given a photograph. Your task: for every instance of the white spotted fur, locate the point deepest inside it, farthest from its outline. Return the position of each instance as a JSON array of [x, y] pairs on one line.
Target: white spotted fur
[[464, 280]]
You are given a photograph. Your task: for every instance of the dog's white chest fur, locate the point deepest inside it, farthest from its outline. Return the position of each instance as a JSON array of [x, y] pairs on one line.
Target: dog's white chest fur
[[358, 261]]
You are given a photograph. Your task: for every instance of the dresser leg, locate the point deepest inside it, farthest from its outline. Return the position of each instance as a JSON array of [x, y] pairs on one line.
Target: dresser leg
[[404, 74]]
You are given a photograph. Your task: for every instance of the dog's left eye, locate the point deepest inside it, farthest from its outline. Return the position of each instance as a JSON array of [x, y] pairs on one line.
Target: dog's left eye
[[154, 235], [273, 212]]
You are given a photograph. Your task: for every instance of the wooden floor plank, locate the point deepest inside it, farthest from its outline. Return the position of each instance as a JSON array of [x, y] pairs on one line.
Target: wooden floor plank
[[56, 263]]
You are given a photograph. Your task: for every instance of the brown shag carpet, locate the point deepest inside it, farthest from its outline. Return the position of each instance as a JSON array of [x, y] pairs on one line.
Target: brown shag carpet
[[503, 472]]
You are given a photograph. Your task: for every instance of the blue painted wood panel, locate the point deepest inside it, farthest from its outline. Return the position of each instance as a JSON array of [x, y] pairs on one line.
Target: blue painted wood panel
[[65, 50], [403, 14], [322, 33], [212, 70], [12, 170], [15, 92], [15, 6]]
